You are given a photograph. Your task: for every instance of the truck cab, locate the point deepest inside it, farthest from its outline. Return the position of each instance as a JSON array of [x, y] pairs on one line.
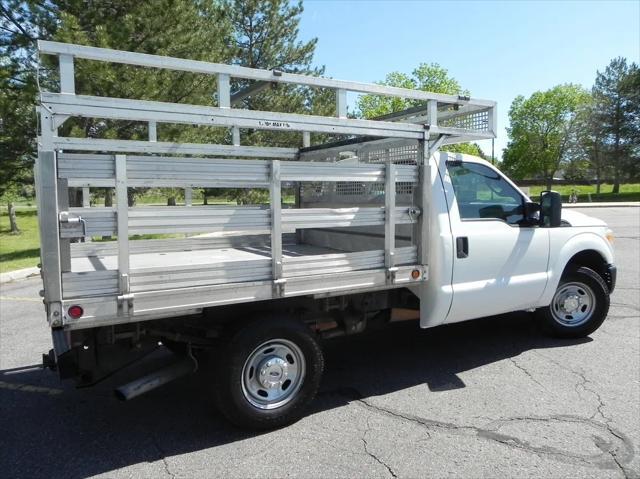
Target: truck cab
[[497, 256]]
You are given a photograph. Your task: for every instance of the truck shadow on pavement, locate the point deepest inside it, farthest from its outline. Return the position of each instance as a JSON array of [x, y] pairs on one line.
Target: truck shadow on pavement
[[50, 429]]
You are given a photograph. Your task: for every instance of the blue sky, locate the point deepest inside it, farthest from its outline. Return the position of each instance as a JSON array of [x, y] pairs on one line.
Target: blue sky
[[497, 50]]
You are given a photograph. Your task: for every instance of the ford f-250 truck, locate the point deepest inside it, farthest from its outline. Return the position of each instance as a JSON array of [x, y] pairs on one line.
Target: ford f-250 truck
[[367, 224]]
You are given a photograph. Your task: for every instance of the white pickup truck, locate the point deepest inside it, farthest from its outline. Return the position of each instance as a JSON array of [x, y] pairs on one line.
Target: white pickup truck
[[368, 225]]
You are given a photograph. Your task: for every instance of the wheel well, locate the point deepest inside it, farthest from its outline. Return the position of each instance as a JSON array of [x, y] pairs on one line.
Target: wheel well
[[592, 260]]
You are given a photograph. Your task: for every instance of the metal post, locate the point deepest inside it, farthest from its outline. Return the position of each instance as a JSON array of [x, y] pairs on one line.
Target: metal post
[[276, 228], [122, 209], [153, 131], [306, 139], [432, 112], [235, 134], [341, 103], [86, 197], [389, 209], [65, 243], [224, 91], [86, 203], [493, 120], [188, 196], [50, 235], [424, 199], [67, 74]]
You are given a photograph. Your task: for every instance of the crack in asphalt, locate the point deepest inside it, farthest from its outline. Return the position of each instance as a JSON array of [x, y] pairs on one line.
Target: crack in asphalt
[[372, 455], [490, 432], [599, 410], [526, 371], [163, 457]]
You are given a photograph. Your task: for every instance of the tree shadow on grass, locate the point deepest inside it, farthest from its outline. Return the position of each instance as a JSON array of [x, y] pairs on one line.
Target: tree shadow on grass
[[22, 254]]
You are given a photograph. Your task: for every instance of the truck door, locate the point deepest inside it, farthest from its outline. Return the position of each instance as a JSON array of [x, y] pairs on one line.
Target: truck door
[[499, 262]]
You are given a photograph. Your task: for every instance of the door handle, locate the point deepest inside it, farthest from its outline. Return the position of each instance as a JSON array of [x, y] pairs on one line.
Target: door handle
[[462, 247]]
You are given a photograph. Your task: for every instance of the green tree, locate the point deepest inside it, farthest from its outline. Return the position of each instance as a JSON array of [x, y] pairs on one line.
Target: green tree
[[616, 94], [265, 35], [542, 130], [182, 28], [588, 153], [426, 77]]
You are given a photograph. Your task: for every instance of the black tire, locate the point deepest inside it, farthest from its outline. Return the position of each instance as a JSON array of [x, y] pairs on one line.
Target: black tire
[[587, 285], [231, 387]]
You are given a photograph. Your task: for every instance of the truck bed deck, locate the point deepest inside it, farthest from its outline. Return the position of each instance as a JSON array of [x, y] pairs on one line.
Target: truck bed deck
[[207, 257]]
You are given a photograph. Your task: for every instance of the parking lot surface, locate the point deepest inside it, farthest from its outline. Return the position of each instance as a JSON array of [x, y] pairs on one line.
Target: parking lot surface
[[489, 398]]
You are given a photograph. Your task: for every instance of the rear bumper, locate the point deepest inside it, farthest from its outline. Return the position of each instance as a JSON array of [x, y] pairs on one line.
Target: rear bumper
[[610, 276]]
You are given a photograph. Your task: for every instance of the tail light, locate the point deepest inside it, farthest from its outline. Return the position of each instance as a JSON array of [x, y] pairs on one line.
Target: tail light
[[75, 311]]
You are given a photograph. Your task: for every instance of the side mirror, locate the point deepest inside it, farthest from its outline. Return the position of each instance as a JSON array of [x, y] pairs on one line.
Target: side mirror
[[550, 209], [530, 209]]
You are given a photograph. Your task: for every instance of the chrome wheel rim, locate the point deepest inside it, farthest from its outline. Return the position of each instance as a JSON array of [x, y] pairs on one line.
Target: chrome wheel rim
[[573, 304], [273, 374]]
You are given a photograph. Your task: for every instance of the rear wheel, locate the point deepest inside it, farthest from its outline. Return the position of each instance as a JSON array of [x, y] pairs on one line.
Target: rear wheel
[[579, 305], [268, 373]]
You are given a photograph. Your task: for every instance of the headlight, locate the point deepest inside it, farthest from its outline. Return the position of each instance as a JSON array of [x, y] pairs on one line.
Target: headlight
[[609, 235]]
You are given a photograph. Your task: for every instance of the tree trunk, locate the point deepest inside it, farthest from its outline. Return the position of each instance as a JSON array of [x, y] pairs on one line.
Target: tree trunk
[[616, 181], [12, 220], [549, 182], [617, 166], [171, 201], [204, 199]]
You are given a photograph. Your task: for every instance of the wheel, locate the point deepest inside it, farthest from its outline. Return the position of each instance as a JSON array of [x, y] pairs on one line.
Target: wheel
[[268, 373], [579, 305]]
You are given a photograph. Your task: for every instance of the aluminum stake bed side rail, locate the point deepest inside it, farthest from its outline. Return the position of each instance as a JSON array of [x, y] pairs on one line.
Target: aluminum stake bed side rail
[[247, 253]]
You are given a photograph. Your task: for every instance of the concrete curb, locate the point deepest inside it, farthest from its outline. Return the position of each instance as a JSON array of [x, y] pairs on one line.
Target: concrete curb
[[610, 204], [19, 274]]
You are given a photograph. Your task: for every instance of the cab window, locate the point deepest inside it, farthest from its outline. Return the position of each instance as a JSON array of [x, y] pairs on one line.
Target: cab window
[[482, 193]]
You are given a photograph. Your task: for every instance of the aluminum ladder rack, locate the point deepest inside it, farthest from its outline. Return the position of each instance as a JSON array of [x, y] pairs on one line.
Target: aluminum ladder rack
[[248, 252]]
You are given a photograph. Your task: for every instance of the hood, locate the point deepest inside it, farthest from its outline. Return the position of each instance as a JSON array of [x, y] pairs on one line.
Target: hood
[[580, 219]]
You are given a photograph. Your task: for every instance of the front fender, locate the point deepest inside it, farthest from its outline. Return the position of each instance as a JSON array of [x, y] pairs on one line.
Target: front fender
[[559, 258]]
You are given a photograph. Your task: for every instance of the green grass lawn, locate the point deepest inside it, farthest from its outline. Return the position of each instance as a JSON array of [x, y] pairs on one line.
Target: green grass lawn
[[21, 250], [628, 192]]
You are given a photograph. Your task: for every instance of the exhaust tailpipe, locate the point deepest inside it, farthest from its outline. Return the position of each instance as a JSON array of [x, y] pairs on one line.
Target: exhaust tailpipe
[[156, 379]]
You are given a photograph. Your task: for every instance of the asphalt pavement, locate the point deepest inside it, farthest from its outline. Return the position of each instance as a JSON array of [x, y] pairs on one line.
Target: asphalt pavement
[[488, 398]]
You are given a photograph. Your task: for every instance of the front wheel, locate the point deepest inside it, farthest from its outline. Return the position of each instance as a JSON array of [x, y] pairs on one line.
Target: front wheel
[[579, 305], [268, 373]]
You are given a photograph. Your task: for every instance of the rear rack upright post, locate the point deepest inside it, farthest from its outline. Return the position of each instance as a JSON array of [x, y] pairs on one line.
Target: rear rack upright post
[[389, 219], [424, 201], [276, 228], [122, 213]]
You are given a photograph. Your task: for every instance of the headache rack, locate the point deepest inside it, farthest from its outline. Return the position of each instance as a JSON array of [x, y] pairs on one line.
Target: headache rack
[[360, 220]]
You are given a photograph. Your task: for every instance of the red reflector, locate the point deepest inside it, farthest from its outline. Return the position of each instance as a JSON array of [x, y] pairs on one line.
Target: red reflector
[[75, 311]]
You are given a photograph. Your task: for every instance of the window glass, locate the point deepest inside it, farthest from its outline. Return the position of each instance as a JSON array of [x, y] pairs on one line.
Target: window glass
[[482, 193]]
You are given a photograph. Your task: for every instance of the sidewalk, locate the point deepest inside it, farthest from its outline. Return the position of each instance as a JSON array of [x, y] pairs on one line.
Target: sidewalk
[[19, 274]]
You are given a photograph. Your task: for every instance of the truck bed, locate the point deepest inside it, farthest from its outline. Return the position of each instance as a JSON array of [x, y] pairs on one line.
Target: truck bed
[[190, 258]]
